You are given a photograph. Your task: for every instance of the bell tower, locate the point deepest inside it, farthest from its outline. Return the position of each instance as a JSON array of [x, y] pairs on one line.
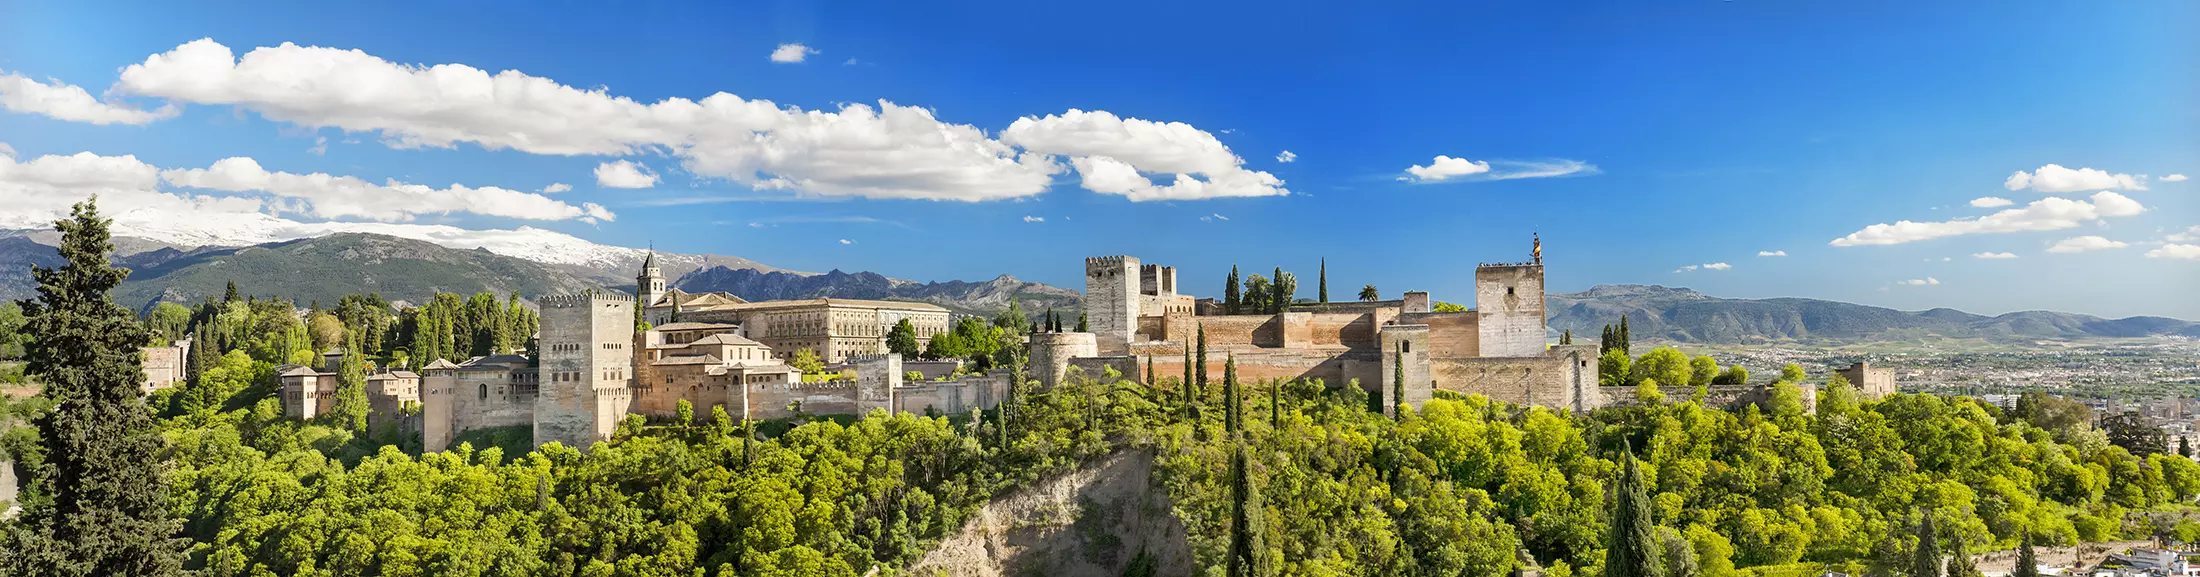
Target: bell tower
[[650, 286]]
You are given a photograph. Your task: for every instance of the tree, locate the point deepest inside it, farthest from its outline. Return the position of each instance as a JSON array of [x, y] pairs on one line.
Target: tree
[[1623, 338], [1959, 562], [1792, 373], [1233, 409], [1284, 292], [1735, 375], [327, 331], [1189, 399], [1702, 371], [348, 410], [902, 340], [1013, 319], [1631, 547], [1258, 296], [2028, 564], [1680, 555], [1398, 383], [105, 510], [1245, 521], [641, 323], [1566, 337], [1666, 364], [2132, 432], [1231, 299], [1613, 368], [1324, 281], [2184, 446], [1925, 559], [169, 322], [1083, 326], [1201, 362], [806, 360], [1367, 293], [230, 295], [12, 337]]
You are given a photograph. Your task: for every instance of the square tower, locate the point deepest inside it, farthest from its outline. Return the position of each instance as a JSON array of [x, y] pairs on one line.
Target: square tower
[[1508, 299], [1111, 301], [876, 378], [586, 367]]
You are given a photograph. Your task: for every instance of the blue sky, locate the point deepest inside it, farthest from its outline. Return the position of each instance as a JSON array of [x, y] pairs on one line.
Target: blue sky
[[1691, 133]]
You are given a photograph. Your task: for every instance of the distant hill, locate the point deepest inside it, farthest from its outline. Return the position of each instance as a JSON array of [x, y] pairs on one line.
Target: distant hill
[[966, 297], [1685, 315]]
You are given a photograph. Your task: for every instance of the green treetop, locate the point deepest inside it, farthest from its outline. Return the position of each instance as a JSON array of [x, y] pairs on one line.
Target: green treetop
[[1631, 547]]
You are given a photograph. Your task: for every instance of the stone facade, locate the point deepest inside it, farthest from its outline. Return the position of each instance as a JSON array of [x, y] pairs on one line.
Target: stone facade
[[164, 365], [586, 365], [876, 378], [1051, 354], [1498, 349], [1872, 383], [834, 328]]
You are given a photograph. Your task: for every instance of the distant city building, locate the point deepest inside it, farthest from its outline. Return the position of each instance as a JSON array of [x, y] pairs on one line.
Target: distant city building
[[164, 365], [834, 328], [1872, 383]]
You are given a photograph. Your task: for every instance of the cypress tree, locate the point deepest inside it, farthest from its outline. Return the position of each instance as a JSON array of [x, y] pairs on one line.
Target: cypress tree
[[1275, 405], [1625, 341], [1925, 560], [1230, 296], [1201, 388], [1325, 281], [1187, 384], [1398, 384], [1233, 414], [1277, 299], [106, 511], [1959, 562], [349, 409], [1604, 341], [1245, 517], [1082, 327], [2028, 565], [1566, 338], [1631, 548]]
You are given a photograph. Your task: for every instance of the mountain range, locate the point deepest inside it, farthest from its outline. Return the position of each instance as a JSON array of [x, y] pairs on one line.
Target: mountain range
[[1684, 315]]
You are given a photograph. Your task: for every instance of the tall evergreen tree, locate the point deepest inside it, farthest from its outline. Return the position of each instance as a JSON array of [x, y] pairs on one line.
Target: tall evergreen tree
[[106, 507], [230, 295], [1325, 281], [1150, 378], [1082, 326], [2028, 564], [348, 410], [1230, 296], [1279, 296], [1245, 518], [1959, 561], [1925, 559], [1623, 340], [1566, 338], [1233, 410], [1275, 405], [1200, 365], [1631, 549], [1398, 384]]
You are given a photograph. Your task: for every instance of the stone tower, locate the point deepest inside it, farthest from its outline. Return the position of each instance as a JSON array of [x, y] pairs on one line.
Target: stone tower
[[1111, 301], [650, 285], [586, 367], [1509, 301]]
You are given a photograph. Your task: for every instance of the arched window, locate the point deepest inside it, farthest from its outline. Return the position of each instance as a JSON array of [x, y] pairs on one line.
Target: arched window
[[1405, 346], [485, 391]]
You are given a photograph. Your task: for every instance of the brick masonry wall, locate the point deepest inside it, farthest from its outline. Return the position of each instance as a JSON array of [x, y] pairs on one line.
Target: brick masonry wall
[[1111, 300], [1510, 301], [776, 401], [1450, 334]]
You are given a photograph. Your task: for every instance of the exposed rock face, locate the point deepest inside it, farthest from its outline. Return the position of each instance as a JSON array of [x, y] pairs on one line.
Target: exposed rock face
[[1093, 522], [1685, 315]]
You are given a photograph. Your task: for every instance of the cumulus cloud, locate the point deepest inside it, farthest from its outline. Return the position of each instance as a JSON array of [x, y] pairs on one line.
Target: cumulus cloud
[[1991, 202], [63, 101], [2190, 235], [1772, 253], [624, 174], [1995, 255], [333, 197], [846, 241], [2174, 178], [2176, 251], [1709, 266], [556, 187], [886, 151], [2052, 213], [1114, 155], [792, 52], [2086, 243], [1444, 168], [1035, 219], [1919, 281], [1287, 156], [2053, 178]]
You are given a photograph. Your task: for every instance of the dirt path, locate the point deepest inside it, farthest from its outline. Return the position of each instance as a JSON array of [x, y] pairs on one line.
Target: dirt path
[[1089, 523]]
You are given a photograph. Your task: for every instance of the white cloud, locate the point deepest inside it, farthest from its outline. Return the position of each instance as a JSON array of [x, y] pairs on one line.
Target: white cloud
[[1991, 202], [1919, 281], [1994, 255], [2176, 251], [556, 187], [1772, 253], [850, 62], [1035, 219], [624, 174], [1286, 156], [1718, 266], [2190, 235], [846, 241], [2053, 178], [1213, 217], [7, 151], [887, 151], [2086, 244], [792, 52], [65, 101], [2173, 178], [2052, 213], [1444, 168], [1114, 155], [1688, 268], [334, 197]]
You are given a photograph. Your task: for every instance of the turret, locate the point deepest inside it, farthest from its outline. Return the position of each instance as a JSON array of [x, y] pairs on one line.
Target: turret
[[650, 285]]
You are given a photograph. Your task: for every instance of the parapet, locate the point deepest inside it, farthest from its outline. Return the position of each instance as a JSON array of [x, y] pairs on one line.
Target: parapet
[[1101, 263], [1506, 265], [581, 299]]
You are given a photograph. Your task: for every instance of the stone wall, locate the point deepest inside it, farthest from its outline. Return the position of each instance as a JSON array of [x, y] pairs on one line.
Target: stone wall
[[1111, 300], [782, 400], [955, 397], [1872, 383], [164, 365], [1509, 299], [1127, 367], [877, 376], [1335, 366], [1405, 352], [1450, 334], [586, 362], [1051, 354]]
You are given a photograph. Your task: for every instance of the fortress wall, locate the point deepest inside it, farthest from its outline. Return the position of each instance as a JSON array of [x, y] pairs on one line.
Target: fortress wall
[[1538, 381], [1131, 368], [1237, 330], [1450, 334], [1355, 330], [1332, 366], [773, 401], [660, 399]]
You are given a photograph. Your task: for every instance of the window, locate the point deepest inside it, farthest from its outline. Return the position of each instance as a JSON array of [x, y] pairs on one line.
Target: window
[[1508, 291], [1405, 346], [485, 391]]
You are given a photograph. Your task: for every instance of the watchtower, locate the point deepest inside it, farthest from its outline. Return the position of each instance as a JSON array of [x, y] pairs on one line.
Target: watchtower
[[586, 367], [1111, 301]]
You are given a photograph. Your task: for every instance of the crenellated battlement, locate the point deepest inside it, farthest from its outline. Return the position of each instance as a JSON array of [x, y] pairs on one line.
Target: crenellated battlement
[[581, 299], [1104, 263], [1507, 265]]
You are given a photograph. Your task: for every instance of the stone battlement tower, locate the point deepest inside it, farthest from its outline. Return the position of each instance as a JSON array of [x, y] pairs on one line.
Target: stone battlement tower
[[1112, 286], [586, 367], [1508, 298]]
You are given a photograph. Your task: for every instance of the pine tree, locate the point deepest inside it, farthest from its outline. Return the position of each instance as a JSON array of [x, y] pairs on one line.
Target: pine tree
[[106, 506], [1245, 517], [1959, 562], [1925, 560], [2028, 564], [1230, 297], [230, 295], [1631, 549], [1325, 281]]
